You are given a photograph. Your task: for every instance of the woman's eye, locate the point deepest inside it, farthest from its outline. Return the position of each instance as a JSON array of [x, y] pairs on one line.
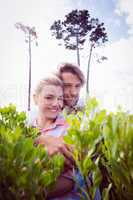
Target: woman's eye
[[60, 99], [52, 98], [48, 98]]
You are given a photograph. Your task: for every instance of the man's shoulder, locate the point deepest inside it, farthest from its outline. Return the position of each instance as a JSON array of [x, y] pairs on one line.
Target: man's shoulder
[[80, 103]]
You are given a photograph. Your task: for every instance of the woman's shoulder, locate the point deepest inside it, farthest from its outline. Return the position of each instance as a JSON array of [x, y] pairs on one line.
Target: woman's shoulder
[[31, 117]]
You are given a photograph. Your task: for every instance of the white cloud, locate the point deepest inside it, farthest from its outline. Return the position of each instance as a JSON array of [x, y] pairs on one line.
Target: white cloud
[[121, 53], [126, 7], [112, 80]]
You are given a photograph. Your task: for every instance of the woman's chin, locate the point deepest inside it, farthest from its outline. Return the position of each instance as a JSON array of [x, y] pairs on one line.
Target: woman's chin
[[53, 116]]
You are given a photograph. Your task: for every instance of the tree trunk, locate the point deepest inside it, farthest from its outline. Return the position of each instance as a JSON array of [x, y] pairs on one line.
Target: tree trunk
[[88, 70], [29, 86], [77, 43]]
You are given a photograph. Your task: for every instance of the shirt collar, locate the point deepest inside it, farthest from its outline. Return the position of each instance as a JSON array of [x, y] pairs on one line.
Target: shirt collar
[[74, 109], [60, 121]]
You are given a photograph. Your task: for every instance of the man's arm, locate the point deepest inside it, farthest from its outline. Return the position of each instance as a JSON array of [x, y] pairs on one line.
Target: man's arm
[[63, 186]]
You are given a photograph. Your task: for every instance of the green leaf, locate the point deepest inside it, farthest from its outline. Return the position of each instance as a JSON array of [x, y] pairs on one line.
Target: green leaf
[[105, 195]]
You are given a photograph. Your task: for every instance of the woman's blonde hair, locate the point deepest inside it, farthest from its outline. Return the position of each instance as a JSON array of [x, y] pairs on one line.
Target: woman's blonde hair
[[50, 80]]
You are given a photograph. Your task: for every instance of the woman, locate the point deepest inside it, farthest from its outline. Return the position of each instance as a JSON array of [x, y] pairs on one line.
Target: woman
[[48, 97]]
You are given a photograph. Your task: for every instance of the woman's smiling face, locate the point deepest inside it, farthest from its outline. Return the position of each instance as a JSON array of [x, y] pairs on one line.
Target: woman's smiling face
[[50, 101]]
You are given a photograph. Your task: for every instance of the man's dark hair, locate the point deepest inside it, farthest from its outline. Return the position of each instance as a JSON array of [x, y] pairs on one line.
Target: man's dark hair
[[72, 68]]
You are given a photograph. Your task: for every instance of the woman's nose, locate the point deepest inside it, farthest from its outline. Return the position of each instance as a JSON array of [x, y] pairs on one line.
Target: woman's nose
[[55, 101]]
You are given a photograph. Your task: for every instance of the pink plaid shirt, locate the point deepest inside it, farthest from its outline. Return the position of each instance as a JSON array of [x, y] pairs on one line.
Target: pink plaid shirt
[[58, 128]]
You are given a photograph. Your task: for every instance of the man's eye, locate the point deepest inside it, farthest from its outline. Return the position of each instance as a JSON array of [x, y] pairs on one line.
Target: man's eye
[[67, 85], [78, 86]]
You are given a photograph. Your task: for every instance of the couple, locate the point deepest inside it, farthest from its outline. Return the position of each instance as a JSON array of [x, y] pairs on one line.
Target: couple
[[51, 96]]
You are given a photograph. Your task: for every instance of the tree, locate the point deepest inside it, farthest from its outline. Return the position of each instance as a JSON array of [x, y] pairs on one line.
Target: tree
[[77, 28], [30, 35], [97, 37], [73, 30]]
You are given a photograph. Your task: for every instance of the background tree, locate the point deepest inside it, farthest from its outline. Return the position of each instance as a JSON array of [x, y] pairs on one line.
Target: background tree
[[76, 29], [97, 37], [30, 35], [73, 30]]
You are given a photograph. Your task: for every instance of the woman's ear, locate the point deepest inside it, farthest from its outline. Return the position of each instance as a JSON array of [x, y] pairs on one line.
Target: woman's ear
[[35, 99]]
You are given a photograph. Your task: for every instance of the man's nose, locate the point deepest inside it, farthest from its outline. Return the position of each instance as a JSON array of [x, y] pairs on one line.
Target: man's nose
[[73, 91]]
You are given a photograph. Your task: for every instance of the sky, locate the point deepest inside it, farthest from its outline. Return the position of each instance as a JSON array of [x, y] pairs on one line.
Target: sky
[[110, 81]]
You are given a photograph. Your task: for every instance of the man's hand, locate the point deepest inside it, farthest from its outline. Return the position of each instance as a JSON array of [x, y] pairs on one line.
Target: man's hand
[[56, 145]]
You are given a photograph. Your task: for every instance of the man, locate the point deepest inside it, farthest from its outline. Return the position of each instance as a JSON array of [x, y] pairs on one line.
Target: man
[[73, 80]]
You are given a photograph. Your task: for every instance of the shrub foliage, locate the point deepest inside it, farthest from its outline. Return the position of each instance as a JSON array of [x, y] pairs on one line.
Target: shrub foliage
[[103, 153], [26, 172]]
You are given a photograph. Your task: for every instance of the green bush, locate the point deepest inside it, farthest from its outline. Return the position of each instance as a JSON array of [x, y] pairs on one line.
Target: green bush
[[26, 172], [103, 144], [103, 153]]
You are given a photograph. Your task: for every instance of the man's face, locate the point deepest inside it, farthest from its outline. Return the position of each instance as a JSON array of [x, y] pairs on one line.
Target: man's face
[[72, 86]]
